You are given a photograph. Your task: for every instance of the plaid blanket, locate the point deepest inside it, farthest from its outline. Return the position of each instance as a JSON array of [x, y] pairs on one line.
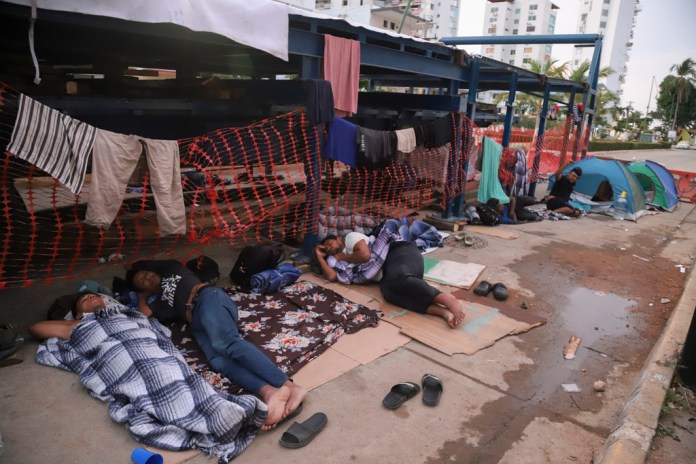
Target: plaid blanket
[[129, 361], [348, 273], [291, 327], [412, 230]]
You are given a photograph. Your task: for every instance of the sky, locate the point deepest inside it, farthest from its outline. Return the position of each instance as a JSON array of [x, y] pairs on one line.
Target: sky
[[665, 34]]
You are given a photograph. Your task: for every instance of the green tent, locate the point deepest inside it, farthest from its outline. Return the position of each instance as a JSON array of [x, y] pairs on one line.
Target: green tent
[[657, 183]]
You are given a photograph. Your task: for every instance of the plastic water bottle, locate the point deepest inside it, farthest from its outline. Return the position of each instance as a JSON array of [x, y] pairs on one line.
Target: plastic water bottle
[[621, 207]]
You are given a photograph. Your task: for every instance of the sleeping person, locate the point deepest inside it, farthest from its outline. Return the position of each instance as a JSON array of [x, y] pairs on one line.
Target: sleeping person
[[396, 264], [182, 297], [129, 361]]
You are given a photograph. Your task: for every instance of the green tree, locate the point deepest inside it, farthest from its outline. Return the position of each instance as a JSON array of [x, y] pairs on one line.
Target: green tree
[[685, 78], [667, 111], [581, 73]]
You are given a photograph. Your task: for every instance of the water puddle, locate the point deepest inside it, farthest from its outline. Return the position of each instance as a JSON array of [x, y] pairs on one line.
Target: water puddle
[[591, 315], [599, 319]]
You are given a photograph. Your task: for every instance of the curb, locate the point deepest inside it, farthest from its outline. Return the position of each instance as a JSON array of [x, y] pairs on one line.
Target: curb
[[631, 438]]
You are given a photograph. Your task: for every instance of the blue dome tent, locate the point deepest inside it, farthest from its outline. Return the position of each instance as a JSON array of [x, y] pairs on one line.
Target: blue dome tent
[[596, 172]]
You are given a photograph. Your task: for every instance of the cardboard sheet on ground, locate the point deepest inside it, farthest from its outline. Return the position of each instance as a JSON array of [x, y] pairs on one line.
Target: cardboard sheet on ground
[[487, 321], [482, 327], [462, 275], [494, 232]]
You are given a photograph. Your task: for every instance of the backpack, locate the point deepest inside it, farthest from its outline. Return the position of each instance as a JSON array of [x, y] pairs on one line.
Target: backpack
[[252, 260], [489, 216]]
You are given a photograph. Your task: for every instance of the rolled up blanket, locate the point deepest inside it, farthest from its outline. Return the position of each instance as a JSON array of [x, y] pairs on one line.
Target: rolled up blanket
[[273, 279]]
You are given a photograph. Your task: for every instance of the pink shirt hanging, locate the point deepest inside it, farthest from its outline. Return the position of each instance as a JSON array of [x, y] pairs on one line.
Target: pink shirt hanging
[[342, 69]]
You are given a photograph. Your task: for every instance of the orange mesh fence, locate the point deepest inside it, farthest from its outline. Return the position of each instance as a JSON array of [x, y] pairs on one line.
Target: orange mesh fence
[[233, 189], [254, 183]]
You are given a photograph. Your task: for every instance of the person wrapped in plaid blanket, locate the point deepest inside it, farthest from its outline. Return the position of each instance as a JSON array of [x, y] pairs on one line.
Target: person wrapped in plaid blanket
[[396, 264], [146, 381]]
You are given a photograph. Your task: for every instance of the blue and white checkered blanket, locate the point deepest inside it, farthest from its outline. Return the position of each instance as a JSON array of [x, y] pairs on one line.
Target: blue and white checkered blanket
[[129, 361]]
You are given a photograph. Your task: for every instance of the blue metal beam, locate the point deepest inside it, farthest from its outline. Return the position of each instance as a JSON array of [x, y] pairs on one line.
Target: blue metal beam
[[507, 130], [540, 135], [518, 39]]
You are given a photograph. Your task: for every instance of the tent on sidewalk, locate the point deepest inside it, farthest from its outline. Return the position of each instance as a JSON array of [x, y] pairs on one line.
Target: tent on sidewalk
[[602, 182], [657, 183]]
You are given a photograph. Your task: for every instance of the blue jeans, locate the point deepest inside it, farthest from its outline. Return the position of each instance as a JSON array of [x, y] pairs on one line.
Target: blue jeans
[[214, 327]]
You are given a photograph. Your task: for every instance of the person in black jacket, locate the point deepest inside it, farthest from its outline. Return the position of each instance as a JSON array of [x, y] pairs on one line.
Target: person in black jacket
[[213, 316], [558, 200]]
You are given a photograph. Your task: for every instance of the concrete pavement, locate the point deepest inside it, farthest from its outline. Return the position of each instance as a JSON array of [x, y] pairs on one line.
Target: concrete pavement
[[502, 404]]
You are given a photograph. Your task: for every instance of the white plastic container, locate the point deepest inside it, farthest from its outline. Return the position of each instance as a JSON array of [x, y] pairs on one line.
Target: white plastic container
[[620, 207]]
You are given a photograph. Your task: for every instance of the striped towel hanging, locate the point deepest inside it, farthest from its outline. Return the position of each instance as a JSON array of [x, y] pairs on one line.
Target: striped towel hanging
[[53, 142]]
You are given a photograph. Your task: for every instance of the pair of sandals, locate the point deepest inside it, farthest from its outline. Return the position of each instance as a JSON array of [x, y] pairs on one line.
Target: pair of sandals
[[463, 237], [499, 290], [404, 391]]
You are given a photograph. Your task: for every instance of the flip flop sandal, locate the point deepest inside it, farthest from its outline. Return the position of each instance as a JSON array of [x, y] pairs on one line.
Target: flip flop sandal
[[432, 390], [500, 292], [301, 433], [399, 394], [483, 288]]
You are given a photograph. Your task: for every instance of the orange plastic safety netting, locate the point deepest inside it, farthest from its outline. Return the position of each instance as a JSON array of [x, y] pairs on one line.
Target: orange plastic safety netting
[[264, 181]]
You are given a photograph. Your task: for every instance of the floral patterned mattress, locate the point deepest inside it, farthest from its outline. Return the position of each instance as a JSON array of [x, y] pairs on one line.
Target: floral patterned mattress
[[292, 327]]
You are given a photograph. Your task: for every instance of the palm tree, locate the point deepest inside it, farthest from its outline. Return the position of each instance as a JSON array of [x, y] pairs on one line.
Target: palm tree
[[580, 74], [686, 76]]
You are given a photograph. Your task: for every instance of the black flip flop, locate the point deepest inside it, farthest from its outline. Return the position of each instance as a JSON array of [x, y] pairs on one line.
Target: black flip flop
[[301, 433], [432, 390], [500, 292], [399, 394], [483, 288]]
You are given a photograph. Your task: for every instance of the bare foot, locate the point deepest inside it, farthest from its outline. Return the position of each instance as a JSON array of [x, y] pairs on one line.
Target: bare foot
[[444, 313], [297, 395], [454, 312], [459, 314], [276, 399]]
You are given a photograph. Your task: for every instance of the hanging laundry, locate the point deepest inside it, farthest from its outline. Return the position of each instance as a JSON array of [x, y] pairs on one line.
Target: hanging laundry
[[320, 101], [577, 113], [521, 184], [53, 142], [374, 148], [340, 142], [115, 157], [342, 69], [443, 130], [405, 140], [489, 186]]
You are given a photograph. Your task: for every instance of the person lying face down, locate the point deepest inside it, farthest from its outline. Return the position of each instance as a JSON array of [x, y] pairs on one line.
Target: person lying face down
[[397, 266], [213, 318]]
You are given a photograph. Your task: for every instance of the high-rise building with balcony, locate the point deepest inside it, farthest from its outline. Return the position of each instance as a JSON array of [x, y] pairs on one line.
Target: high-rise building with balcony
[[614, 20], [519, 17], [427, 19]]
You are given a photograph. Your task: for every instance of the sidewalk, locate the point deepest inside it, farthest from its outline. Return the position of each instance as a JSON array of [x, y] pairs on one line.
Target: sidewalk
[[505, 403]]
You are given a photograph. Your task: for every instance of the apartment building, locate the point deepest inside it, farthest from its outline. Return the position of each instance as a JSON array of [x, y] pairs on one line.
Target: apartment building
[[614, 20], [519, 17], [427, 19]]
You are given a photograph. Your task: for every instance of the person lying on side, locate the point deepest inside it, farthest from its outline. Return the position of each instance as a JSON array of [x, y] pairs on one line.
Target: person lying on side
[[129, 361], [397, 266], [213, 316], [515, 211]]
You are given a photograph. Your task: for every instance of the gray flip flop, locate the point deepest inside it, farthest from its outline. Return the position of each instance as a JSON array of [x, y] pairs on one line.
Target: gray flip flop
[[301, 433]]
